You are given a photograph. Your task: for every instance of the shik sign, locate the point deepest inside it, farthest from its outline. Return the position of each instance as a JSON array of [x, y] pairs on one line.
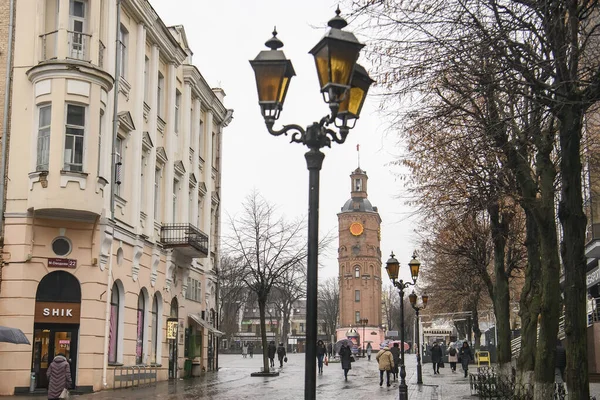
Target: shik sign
[[62, 313]]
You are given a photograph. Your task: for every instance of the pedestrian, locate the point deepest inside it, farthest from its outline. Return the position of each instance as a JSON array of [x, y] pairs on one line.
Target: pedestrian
[[272, 350], [386, 363], [560, 362], [251, 349], [452, 357], [59, 378], [330, 350], [281, 354], [395, 350], [321, 350], [369, 351], [465, 356], [346, 359], [436, 357], [244, 350]]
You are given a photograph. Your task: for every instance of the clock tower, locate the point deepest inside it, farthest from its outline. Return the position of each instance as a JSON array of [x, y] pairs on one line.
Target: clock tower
[[359, 258]]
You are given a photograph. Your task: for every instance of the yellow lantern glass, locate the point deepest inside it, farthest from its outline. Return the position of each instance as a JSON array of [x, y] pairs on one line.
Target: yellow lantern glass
[[392, 266], [414, 265], [425, 298], [412, 298]]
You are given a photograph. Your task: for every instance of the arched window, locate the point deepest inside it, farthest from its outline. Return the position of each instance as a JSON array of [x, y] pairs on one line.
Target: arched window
[[113, 337], [357, 272], [139, 343], [174, 308], [156, 321]]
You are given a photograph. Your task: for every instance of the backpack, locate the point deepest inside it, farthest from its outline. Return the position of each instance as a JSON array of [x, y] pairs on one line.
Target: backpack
[[452, 351]]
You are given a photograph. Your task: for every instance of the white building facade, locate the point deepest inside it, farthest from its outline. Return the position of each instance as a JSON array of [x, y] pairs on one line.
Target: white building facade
[[109, 281]]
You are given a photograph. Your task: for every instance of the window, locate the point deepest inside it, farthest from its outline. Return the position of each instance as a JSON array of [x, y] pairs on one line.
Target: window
[[160, 94], [123, 38], [139, 344], [78, 39], [175, 200], [143, 183], [113, 336], [301, 327], [357, 272], [357, 295], [191, 205], [177, 110], [194, 290], [100, 131], [358, 185], [119, 168], [74, 131], [157, 176], [156, 310], [146, 75], [43, 138], [357, 316], [201, 139], [215, 148]]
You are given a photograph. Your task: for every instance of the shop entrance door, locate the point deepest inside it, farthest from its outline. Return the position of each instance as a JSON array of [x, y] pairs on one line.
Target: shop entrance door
[[48, 342]]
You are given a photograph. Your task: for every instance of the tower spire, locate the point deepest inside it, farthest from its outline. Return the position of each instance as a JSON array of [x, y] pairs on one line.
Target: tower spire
[[358, 154]]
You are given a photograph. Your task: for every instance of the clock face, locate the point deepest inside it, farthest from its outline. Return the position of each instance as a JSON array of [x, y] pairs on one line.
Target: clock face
[[356, 228]]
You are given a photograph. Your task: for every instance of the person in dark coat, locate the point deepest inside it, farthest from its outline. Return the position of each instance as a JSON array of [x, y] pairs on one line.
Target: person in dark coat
[[345, 358], [465, 355], [330, 350], [321, 350], [272, 350], [59, 377], [251, 349], [561, 361], [395, 350], [281, 353], [436, 357]]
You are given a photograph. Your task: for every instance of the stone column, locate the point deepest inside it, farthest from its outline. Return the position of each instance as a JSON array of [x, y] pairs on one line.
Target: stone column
[[138, 120]]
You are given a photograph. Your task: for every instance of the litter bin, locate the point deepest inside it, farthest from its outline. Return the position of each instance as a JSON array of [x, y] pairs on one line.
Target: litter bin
[[187, 369]]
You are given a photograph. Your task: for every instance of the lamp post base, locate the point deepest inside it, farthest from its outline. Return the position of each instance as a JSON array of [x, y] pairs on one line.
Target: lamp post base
[[402, 387]]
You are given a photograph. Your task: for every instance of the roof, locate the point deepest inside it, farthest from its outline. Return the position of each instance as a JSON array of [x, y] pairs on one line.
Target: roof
[[364, 205]]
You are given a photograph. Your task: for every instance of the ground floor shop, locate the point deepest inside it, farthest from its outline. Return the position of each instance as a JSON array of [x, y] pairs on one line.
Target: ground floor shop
[[67, 303]]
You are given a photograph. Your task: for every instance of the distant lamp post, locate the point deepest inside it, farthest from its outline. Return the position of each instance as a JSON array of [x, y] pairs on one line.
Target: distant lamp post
[[413, 302], [344, 86], [363, 322], [392, 267]]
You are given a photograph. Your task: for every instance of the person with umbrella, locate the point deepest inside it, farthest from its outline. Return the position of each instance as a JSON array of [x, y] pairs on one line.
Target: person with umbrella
[[346, 358]]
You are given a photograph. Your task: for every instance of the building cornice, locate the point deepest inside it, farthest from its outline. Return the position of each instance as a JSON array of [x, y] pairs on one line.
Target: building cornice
[[70, 69]]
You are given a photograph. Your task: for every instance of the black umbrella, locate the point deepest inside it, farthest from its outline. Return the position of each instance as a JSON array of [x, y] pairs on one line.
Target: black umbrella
[[12, 335], [338, 345]]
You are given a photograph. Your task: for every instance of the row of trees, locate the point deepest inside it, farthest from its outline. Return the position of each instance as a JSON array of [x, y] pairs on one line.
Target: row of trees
[[490, 97]]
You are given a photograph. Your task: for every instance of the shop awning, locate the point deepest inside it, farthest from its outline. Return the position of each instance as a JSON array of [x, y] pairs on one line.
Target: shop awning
[[204, 324]]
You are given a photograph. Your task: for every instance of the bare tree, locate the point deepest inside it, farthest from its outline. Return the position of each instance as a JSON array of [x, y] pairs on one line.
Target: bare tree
[[266, 247], [232, 296], [290, 288], [329, 304]]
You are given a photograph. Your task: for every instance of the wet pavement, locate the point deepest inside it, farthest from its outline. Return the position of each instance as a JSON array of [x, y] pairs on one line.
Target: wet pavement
[[233, 382]]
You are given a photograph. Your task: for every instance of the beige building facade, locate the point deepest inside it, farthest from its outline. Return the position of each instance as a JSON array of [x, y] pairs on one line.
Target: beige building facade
[[359, 257], [111, 241]]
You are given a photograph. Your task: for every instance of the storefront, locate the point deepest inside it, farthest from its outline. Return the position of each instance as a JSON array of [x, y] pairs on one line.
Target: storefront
[[56, 323]]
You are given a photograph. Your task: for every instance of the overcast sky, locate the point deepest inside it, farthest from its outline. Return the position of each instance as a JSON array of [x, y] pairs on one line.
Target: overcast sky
[[224, 35]]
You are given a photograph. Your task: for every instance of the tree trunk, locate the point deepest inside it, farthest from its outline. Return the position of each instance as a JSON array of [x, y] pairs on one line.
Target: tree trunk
[[262, 305], [499, 227], [285, 328], [573, 222], [476, 330], [529, 307]]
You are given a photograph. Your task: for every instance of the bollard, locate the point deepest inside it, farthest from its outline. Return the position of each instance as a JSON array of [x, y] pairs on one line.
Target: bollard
[[32, 382]]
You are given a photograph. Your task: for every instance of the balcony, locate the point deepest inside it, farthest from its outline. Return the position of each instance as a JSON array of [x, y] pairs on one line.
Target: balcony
[[186, 239], [78, 46]]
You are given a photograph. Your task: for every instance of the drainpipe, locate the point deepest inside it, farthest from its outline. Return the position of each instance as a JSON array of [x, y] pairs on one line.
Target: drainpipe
[[9, 56], [112, 192]]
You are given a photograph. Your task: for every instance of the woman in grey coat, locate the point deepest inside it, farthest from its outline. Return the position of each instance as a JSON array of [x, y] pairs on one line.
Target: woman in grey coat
[[59, 377], [465, 356]]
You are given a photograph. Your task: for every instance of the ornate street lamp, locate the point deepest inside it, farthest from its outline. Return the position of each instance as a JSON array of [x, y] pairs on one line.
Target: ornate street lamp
[[413, 302], [392, 267], [363, 322], [339, 80]]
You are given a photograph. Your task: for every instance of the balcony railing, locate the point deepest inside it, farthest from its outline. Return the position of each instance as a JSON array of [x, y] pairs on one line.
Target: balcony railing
[[186, 238], [78, 46]]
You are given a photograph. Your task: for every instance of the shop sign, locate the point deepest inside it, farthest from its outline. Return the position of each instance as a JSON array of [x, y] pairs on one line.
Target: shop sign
[[593, 277], [57, 313], [172, 329], [62, 263]]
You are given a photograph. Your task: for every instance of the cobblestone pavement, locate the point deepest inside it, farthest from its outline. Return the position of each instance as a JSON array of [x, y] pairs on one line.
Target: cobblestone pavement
[[233, 382]]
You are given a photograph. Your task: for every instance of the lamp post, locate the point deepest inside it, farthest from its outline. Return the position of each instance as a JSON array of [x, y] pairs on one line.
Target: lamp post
[[344, 86], [392, 266], [413, 302], [363, 322]]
